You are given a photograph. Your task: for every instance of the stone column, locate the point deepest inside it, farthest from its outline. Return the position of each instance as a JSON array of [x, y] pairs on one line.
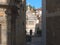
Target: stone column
[[3, 22], [43, 22]]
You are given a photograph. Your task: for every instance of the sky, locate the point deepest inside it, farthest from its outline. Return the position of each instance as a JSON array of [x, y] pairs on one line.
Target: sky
[[35, 3]]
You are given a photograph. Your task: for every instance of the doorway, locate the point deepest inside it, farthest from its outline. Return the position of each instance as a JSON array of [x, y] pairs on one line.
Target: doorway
[[0, 33]]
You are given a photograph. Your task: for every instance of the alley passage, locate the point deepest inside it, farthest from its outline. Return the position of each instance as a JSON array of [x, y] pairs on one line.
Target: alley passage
[[35, 41]]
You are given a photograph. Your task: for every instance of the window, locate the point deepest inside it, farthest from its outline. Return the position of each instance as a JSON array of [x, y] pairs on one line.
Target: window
[[31, 22]]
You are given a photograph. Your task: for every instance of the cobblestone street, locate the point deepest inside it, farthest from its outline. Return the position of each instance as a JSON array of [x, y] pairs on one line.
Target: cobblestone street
[[35, 41]]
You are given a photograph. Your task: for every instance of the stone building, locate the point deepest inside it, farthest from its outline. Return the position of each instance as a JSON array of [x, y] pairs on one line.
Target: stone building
[[39, 16], [31, 20], [53, 22], [12, 22], [3, 27]]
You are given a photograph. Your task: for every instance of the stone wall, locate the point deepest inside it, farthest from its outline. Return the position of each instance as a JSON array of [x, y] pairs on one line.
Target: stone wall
[[9, 35], [53, 30], [21, 25], [53, 22], [3, 23]]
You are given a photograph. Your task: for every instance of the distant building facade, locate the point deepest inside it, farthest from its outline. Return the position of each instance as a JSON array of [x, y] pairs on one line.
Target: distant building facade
[[39, 16], [31, 20]]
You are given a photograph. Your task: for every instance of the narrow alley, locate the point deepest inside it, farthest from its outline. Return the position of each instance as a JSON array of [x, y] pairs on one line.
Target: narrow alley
[[35, 41]]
